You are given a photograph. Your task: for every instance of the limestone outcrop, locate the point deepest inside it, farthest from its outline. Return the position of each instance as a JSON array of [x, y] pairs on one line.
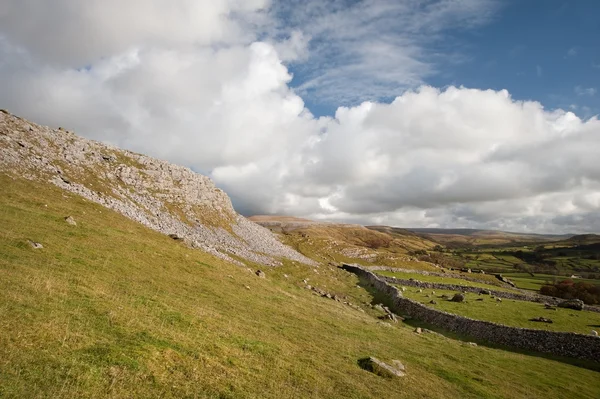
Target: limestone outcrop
[[168, 198]]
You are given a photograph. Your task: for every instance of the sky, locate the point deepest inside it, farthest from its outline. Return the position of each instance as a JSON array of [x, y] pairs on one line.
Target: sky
[[430, 113]]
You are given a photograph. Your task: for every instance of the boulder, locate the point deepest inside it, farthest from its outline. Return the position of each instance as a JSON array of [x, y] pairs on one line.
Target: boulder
[[260, 274], [485, 292], [35, 245], [433, 302], [70, 220], [575, 304], [458, 298], [382, 369]]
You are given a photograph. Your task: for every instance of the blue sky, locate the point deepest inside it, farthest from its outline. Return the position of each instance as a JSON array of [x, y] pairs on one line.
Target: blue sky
[[542, 50]]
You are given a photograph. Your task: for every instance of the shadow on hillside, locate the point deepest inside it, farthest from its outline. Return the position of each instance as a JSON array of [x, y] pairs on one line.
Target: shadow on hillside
[[378, 297]]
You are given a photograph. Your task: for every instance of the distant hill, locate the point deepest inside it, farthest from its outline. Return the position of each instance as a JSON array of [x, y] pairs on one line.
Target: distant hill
[[479, 237]]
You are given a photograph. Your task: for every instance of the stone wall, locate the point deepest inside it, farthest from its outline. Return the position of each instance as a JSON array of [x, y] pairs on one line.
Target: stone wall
[[437, 274], [558, 343]]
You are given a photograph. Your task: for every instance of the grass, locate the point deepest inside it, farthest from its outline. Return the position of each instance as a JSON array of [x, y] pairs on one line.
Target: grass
[[443, 280], [109, 308], [510, 312], [529, 282]]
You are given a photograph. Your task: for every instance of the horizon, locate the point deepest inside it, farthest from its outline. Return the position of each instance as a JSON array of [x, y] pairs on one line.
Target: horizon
[[477, 114]]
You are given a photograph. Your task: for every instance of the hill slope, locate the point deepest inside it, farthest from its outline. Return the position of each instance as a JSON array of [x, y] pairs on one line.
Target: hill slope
[[110, 308], [167, 198]]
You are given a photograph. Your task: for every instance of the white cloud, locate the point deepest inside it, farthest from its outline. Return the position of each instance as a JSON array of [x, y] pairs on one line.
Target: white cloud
[[216, 99], [585, 91]]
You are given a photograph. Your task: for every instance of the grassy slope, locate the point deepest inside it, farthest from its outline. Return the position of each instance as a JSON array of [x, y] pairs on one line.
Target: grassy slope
[[109, 308], [510, 312]]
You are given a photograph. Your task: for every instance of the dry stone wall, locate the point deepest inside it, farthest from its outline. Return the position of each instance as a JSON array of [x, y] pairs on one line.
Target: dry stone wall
[[558, 343]]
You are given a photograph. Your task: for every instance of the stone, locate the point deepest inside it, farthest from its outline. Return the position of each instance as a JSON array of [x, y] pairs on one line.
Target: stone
[[575, 304], [382, 369], [175, 237], [70, 220], [485, 292], [35, 245], [433, 302], [594, 333], [458, 298], [471, 344], [260, 274], [541, 320], [498, 299], [419, 290], [479, 299], [418, 330], [247, 287]]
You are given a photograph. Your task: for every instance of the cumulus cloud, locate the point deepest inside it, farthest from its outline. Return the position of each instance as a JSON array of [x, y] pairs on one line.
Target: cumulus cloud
[[215, 95]]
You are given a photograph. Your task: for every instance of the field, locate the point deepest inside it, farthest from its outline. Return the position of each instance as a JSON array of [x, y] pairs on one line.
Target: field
[[109, 308], [510, 312], [443, 280]]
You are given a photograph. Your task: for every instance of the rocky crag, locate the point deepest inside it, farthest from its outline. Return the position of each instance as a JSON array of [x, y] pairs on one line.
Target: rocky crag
[[167, 198]]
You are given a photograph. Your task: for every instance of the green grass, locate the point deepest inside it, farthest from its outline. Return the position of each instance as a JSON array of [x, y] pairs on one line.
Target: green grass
[[109, 308], [510, 312], [529, 282], [443, 280]]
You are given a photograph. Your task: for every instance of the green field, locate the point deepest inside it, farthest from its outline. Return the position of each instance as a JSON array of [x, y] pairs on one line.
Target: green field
[[109, 308], [510, 312], [443, 280]]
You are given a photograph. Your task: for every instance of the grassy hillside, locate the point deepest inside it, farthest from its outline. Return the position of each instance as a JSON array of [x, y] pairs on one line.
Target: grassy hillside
[[109, 308], [330, 242]]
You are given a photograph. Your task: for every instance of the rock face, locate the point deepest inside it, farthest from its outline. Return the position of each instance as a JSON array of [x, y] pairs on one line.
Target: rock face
[[576, 304], [167, 198]]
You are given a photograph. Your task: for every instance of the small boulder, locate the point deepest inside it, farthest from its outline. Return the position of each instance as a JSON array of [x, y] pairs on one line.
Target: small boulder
[[458, 298], [176, 237], [594, 333], [433, 302], [35, 245], [70, 220], [418, 330], [485, 292], [382, 369], [575, 304], [498, 299], [260, 274]]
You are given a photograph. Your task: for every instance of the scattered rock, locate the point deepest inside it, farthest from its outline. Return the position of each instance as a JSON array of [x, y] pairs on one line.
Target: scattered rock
[[71, 221], [575, 304], [458, 298], [260, 274], [433, 302], [594, 333], [479, 299], [498, 299], [485, 292], [541, 320], [286, 276], [419, 290], [549, 307], [382, 369], [418, 330], [175, 237], [471, 344], [35, 245], [247, 287]]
